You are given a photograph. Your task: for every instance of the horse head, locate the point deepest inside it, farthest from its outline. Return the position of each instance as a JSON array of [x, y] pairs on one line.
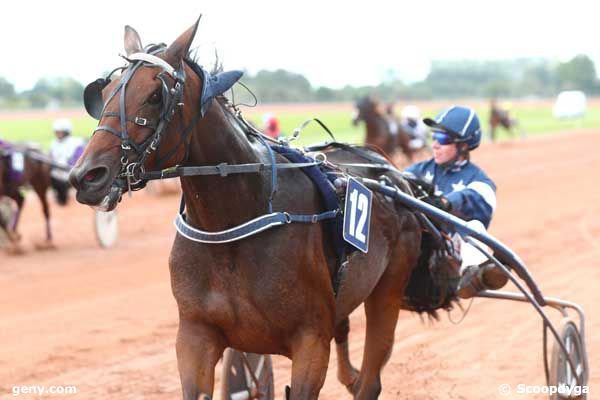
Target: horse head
[[366, 107], [145, 116]]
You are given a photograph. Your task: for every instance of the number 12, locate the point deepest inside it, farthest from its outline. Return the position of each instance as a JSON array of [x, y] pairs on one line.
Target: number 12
[[361, 202]]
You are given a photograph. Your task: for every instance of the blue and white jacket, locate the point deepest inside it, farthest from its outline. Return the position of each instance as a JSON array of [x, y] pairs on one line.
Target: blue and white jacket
[[465, 185]]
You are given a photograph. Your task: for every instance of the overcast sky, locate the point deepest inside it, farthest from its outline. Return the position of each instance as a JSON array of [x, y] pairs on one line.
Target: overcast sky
[[333, 43]]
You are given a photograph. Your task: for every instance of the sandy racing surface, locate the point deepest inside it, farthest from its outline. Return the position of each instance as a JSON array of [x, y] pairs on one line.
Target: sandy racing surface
[[105, 320]]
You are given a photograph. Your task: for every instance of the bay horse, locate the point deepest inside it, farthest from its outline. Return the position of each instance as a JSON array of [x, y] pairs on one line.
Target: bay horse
[[36, 175], [269, 293], [499, 117], [384, 130]]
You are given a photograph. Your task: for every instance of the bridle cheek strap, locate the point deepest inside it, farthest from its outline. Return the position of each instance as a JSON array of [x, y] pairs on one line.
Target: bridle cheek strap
[[172, 96]]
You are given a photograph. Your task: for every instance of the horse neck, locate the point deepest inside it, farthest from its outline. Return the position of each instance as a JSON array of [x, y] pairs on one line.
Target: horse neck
[[376, 124], [215, 202]]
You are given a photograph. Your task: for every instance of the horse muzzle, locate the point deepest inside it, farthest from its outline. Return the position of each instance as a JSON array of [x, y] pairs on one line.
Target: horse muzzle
[[95, 187], [110, 201]]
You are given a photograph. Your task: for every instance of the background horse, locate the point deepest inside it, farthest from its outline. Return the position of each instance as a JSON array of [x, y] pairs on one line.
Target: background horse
[[35, 175], [383, 128], [268, 293], [499, 117]]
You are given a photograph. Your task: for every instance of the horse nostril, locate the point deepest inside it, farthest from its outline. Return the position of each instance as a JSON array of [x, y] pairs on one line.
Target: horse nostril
[[95, 175], [90, 176]]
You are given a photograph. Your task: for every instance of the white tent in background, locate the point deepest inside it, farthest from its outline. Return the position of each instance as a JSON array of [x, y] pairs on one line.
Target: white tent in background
[[570, 104]]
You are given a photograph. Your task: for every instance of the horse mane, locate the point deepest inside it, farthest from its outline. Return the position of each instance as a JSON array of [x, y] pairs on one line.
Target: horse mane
[[193, 57]]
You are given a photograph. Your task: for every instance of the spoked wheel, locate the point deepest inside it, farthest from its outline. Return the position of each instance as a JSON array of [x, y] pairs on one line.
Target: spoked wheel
[[107, 228], [247, 376], [561, 374]]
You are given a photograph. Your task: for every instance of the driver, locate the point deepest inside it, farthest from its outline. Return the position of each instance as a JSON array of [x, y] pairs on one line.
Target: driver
[[65, 150], [411, 123], [462, 189]]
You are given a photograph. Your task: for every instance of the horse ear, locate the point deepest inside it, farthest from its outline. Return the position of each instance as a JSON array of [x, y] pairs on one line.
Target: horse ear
[[179, 49], [133, 43]]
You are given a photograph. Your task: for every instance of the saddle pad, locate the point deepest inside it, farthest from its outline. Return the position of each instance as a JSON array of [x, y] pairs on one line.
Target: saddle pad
[[323, 181]]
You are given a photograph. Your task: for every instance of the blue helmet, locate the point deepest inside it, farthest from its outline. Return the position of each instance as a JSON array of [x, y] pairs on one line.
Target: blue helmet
[[459, 122]]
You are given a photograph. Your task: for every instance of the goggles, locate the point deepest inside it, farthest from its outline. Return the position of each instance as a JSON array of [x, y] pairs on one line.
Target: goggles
[[443, 137]]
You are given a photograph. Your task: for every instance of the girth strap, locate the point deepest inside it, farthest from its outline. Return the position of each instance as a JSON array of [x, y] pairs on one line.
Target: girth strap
[[246, 229]]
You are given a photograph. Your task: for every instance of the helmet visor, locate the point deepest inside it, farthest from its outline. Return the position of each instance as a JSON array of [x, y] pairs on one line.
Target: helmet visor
[[443, 137]]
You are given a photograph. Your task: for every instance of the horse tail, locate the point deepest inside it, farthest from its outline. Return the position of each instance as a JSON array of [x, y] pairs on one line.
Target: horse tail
[[429, 290]]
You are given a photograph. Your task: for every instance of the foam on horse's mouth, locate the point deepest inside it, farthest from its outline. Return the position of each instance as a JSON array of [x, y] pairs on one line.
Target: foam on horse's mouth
[[110, 201]]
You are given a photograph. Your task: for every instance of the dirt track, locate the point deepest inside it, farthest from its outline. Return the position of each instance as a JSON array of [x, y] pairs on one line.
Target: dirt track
[[105, 321]]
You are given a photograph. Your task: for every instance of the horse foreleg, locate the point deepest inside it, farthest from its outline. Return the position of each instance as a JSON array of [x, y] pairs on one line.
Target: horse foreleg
[[199, 347], [310, 357], [19, 200], [346, 373], [493, 133], [381, 309], [10, 227], [40, 190]]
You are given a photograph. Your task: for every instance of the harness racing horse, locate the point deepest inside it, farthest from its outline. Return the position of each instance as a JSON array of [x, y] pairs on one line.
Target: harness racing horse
[[36, 175], [271, 292], [499, 117], [383, 130]]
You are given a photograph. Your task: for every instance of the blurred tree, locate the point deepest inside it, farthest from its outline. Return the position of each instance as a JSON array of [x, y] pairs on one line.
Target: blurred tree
[[325, 94], [577, 74], [447, 79], [7, 89], [280, 85], [540, 80], [67, 91]]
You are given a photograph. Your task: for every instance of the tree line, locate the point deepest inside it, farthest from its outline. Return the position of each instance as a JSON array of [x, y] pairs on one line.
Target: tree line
[[446, 79]]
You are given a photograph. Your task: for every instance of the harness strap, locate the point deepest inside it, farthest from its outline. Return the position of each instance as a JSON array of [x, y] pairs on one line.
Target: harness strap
[[136, 120], [273, 173], [139, 148], [222, 169], [385, 167], [246, 229], [359, 151]]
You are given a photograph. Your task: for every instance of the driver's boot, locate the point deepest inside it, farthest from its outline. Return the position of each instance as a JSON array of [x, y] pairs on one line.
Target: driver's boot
[[476, 278]]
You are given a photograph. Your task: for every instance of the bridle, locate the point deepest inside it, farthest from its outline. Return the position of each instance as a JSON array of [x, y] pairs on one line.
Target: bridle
[[172, 83]]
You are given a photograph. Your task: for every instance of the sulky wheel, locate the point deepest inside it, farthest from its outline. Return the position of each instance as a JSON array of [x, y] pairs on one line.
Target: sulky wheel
[[239, 376], [561, 374], [106, 225]]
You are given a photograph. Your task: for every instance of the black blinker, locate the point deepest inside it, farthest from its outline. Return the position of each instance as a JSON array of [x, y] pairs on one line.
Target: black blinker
[[92, 97]]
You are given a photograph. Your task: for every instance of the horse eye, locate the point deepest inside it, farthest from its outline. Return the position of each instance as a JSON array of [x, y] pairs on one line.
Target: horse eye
[[155, 98]]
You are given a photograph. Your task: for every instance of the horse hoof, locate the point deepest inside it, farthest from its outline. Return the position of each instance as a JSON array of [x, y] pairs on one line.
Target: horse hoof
[[350, 380], [45, 245], [351, 388], [14, 236], [14, 249]]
